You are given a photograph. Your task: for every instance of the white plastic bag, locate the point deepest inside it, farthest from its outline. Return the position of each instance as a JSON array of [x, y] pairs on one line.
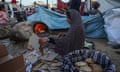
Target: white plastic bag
[[112, 26]]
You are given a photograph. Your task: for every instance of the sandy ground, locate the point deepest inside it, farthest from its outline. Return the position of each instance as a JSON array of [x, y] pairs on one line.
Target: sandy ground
[[101, 44]]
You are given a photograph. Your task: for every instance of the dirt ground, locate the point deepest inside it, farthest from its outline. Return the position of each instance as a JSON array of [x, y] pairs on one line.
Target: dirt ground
[[101, 44]]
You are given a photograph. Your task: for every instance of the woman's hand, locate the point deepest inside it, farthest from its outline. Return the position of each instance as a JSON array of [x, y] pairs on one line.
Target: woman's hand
[[61, 34]]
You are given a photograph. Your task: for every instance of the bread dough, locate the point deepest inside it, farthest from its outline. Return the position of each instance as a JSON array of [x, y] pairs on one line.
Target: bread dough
[[81, 64], [90, 61], [85, 69], [96, 68], [56, 64]]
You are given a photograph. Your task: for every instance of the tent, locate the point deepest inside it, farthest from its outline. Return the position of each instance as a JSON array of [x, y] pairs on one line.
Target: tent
[[94, 24]]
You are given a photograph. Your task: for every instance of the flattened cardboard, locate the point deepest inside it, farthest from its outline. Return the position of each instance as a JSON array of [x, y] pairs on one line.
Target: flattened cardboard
[[3, 51], [5, 59], [14, 65]]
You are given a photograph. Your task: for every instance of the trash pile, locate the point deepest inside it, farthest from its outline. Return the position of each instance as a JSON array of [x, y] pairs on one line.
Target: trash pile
[[30, 60], [46, 62], [40, 58], [37, 60]]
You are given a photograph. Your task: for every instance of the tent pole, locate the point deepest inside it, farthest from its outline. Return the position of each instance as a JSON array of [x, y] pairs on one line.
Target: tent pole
[[90, 4], [47, 3]]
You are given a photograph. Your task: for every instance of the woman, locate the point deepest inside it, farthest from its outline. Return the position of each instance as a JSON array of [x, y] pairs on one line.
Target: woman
[[3, 16], [74, 38]]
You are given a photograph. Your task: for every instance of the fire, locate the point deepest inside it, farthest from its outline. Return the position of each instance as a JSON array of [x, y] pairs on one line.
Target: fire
[[39, 28]]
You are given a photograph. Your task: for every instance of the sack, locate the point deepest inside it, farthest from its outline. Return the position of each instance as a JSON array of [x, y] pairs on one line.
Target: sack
[[112, 24]]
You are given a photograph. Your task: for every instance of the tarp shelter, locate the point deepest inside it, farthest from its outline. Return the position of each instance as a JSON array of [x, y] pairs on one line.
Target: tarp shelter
[[94, 24]]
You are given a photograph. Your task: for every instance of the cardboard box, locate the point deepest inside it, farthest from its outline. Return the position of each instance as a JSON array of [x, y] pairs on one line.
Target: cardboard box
[[9, 63], [13, 65], [3, 51]]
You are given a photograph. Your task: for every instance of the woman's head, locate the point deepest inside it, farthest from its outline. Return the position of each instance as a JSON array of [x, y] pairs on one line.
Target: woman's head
[[73, 16], [95, 5]]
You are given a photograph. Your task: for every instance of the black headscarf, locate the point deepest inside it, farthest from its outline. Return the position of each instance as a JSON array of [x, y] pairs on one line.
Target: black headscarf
[[74, 4], [74, 39]]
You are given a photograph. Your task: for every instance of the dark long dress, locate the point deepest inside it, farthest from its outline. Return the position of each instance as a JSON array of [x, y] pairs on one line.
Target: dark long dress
[[74, 38]]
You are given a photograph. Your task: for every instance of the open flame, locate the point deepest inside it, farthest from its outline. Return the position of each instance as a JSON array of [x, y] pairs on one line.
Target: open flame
[[40, 28]]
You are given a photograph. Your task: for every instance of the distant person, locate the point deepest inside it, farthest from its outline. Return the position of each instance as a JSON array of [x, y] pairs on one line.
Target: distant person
[[3, 16], [26, 10], [53, 9], [30, 11], [74, 4], [73, 39], [95, 6]]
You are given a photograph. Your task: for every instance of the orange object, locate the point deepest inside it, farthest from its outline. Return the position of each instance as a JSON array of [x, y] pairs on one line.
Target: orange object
[[39, 28]]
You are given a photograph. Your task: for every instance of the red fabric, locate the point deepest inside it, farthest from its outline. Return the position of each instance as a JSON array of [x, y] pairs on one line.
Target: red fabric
[[14, 1], [61, 5], [82, 7]]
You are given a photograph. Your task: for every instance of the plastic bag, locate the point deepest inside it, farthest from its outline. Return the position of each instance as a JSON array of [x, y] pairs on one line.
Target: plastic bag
[[112, 26]]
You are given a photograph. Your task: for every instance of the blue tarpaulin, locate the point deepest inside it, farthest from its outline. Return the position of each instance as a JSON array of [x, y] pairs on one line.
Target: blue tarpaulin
[[94, 24], [53, 19]]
